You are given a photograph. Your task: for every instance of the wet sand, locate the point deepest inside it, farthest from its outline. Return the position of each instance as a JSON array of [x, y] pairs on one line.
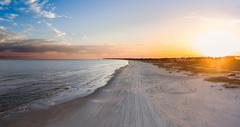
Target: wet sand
[[142, 95]]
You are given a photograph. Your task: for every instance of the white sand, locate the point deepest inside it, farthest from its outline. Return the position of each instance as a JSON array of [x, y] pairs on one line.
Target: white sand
[[142, 95]]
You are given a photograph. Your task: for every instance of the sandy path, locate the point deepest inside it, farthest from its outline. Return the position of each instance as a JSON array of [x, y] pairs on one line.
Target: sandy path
[[142, 95]]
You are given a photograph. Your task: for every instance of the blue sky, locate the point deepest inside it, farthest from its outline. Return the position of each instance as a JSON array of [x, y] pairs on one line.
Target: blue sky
[[82, 18], [110, 22]]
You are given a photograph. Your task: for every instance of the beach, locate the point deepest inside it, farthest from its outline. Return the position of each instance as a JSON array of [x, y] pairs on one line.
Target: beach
[[142, 95]]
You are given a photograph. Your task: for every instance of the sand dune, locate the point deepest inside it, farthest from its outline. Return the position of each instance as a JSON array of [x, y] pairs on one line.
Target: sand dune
[[142, 95]]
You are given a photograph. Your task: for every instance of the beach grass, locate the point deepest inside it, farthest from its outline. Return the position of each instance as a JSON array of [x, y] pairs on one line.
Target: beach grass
[[229, 82], [229, 67]]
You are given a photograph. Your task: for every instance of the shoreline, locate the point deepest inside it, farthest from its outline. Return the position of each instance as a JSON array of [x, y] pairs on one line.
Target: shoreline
[[34, 110], [143, 95]]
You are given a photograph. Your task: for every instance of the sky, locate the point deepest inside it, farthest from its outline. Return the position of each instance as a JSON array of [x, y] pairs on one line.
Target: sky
[[118, 28]]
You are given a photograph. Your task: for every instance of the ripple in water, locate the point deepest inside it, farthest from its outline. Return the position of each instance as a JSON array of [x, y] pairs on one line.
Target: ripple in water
[[48, 82]]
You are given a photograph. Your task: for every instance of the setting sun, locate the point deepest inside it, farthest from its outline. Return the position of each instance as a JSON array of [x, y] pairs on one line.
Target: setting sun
[[216, 43]]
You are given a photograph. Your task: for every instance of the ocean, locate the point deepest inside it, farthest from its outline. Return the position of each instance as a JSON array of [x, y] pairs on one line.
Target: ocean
[[43, 83]]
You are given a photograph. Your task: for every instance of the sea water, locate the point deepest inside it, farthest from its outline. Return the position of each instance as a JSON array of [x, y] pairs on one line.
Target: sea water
[[25, 83]]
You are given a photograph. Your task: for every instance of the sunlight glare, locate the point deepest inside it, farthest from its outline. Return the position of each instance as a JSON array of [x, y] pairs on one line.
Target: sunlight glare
[[217, 43]]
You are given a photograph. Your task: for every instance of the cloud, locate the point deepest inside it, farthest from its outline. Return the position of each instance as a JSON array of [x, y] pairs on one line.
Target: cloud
[[38, 8], [11, 16], [44, 46], [13, 42], [5, 2], [28, 29], [2, 19], [56, 31], [3, 28], [6, 36], [14, 24]]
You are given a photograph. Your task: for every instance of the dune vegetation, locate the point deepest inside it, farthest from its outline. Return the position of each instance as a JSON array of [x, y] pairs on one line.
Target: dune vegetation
[[227, 67]]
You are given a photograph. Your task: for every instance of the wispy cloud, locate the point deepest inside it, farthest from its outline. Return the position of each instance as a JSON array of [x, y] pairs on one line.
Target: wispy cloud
[[5, 2], [38, 7], [28, 29], [11, 16], [2, 19], [41, 10], [8, 17], [56, 31]]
